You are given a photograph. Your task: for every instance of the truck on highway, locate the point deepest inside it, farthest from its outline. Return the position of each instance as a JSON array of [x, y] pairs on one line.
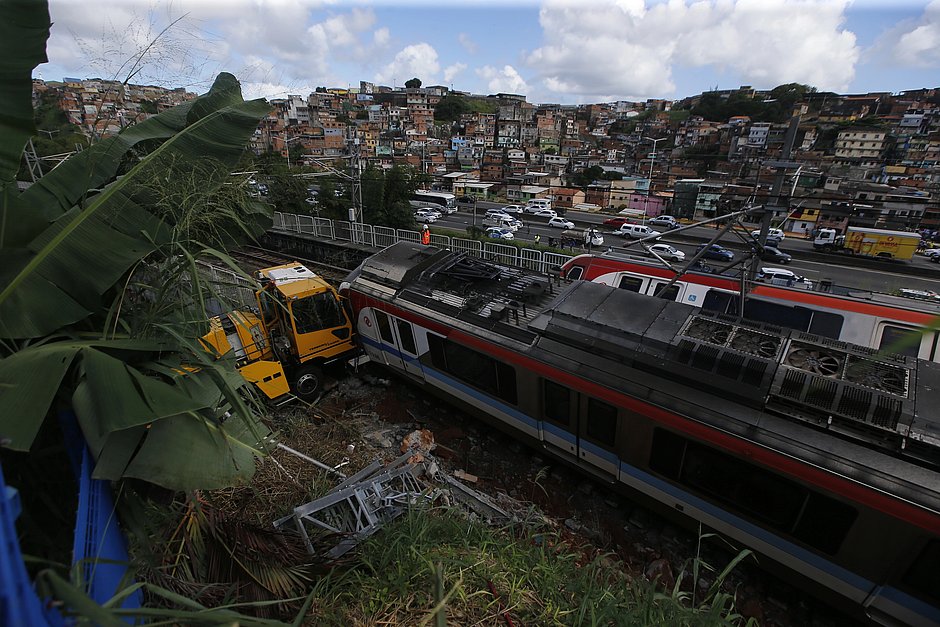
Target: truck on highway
[[300, 326], [869, 242]]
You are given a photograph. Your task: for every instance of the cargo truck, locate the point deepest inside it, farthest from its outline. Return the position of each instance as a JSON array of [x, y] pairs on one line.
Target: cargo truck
[[300, 326], [869, 242]]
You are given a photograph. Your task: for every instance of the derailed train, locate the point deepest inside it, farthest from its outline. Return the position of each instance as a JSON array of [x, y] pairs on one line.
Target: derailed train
[[822, 456]]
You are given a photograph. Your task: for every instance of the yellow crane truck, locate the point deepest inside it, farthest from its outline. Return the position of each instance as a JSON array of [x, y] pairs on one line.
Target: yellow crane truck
[[301, 326]]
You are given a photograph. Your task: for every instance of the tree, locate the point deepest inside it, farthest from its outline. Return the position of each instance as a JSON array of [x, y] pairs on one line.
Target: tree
[[413, 83], [101, 301]]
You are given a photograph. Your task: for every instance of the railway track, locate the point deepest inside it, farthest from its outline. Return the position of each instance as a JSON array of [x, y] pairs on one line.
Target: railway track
[[254, 258]]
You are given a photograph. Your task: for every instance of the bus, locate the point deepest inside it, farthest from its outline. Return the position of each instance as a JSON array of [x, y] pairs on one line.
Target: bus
[[443, 201]]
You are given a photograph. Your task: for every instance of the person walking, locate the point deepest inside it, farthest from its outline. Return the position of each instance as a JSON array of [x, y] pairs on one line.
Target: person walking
[[426, 236]]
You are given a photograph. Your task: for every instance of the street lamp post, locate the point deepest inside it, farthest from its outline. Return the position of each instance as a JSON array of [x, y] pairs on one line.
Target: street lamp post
[[649, 189]]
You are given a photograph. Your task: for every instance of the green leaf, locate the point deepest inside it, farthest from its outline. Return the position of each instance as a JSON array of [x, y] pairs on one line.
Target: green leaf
[[24, 29]]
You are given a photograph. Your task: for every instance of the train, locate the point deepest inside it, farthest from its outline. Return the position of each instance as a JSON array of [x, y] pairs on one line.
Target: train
[[821, 456], [880, 321]]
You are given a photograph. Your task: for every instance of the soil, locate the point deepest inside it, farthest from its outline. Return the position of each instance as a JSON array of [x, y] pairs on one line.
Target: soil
[[380, 410]]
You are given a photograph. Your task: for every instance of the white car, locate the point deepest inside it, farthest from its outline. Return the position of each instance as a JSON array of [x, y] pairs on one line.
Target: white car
[[512, 209], [499, 232], [560, 223], [776, 234], [534, 206], [666, 252], [497, 212], [931, 253], [784, 277], [546, 213], [426, 216]]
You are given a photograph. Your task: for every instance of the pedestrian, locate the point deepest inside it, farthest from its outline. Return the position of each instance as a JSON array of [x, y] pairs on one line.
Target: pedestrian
[[538, 239], [552, 243], [528, 229], [426, 236]]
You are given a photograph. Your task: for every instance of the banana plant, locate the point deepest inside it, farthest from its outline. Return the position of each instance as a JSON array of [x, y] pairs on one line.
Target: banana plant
[[95, 247]]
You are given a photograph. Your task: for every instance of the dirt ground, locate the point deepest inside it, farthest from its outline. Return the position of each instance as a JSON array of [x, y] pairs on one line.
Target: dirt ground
[[379, 410]]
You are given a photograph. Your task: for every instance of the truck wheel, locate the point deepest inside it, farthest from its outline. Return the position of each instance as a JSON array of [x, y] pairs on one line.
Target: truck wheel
[[308, 380]]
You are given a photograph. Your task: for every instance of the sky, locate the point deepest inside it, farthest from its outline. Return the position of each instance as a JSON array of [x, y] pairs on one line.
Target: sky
[[568, 52]]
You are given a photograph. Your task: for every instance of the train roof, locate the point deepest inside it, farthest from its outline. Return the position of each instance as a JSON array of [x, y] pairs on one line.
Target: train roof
[[859, 412]]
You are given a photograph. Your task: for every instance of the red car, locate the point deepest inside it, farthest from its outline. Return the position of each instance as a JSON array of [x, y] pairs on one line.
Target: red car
[[616, 223]]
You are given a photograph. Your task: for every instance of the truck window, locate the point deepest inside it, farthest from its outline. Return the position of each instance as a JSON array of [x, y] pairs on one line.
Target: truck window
[[317, 312]]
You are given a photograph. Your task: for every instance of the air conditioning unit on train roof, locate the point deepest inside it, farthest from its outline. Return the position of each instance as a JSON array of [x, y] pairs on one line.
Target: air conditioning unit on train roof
[[846, 388]]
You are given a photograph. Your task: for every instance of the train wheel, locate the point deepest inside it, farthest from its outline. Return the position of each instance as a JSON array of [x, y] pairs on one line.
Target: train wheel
[[308, 381]]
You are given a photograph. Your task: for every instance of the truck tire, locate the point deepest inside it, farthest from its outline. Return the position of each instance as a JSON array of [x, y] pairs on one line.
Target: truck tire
[[307, 382]]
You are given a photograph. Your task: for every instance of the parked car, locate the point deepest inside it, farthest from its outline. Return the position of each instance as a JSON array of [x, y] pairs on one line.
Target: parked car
[[560, 223], [777, 234], [499, 232], [546, 213], [426, 215], [666, 251], [616, 223], [536, 204], [512, 209], [666, 222], [775, 255], [636, 231], [716, 252], [783, 276], [466, 199]]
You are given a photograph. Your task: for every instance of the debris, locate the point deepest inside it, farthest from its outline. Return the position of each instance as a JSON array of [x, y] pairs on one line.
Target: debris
[[316, 463], [466, 476], [421, 441]]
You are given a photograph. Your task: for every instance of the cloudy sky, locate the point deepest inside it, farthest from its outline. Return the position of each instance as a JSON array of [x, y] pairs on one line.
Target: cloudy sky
[[565, 52]]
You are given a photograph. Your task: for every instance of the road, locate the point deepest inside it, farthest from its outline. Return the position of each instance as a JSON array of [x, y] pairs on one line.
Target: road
[[839, 270]]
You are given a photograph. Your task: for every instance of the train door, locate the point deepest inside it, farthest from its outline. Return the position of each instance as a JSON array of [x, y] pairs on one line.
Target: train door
[[405, 336], [376, 329], [579, 427]]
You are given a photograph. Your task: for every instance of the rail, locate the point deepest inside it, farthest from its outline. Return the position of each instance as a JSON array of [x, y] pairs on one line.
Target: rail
[[382, 236]]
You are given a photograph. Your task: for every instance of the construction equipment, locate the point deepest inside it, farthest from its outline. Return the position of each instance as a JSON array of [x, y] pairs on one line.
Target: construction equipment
[[868, 242], [301, 326]]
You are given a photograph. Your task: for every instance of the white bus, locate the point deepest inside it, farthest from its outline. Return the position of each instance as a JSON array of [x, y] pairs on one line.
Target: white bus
[[443, 201]]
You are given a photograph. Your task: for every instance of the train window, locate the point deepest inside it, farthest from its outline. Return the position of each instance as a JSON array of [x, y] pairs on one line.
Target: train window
[[385, 329], [666, 293], [924, 575], [900, 340], [826, 324], [317, 312], [556, 403], [722, 302], [477, 369], [666, 453], [407, 337], [780, 315], [601, 422], [574, 273], [631, 283], [824, 523]]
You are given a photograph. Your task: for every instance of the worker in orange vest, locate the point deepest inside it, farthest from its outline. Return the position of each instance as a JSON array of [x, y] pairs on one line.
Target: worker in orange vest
[[425, 236]]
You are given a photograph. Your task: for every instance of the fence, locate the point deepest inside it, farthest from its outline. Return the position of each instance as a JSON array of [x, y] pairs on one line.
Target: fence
[[383, 236]]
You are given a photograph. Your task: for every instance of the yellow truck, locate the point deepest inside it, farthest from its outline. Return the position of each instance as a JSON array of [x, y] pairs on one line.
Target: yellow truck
[[868, 242], [300, 327]]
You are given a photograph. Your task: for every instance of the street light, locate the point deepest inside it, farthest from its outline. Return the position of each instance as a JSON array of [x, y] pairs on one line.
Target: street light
[[649, 189]]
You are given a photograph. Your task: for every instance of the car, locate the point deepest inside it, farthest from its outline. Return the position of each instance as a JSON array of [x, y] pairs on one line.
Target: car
[[716, 252], [783, 276], [666, 222], [775, 255], [426, 215], [666, 252], [560, 223], [546, 213], [636, 231], [617, 222], [512, 209], [499, 232], [932, 254], [777, 234], [494, 211], [770, 241], [536, 204], [466, 200]]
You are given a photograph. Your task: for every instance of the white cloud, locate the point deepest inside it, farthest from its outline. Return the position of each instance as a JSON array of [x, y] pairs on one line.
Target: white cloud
[[381, 37], [627, 50], [468, 44], [414, 61], [452, 71], [505, 80], [918, 43]]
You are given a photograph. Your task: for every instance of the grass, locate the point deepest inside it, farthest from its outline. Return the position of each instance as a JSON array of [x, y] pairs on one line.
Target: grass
[[531, 575]]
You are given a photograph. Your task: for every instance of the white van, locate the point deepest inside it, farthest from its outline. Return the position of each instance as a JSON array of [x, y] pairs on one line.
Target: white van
[[502, 221], [535, 204], [636, 231]]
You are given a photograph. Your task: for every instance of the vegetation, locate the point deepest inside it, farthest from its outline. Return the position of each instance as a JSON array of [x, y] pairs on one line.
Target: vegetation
[[413, 83], [386, 196], [594, 173], [452, 106], [777, 108]]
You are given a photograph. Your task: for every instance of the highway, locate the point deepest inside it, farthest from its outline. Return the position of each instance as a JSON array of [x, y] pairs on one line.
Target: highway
[[840, 269]]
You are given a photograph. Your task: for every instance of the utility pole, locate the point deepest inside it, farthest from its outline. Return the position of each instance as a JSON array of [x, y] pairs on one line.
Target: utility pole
[[649, 189]]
